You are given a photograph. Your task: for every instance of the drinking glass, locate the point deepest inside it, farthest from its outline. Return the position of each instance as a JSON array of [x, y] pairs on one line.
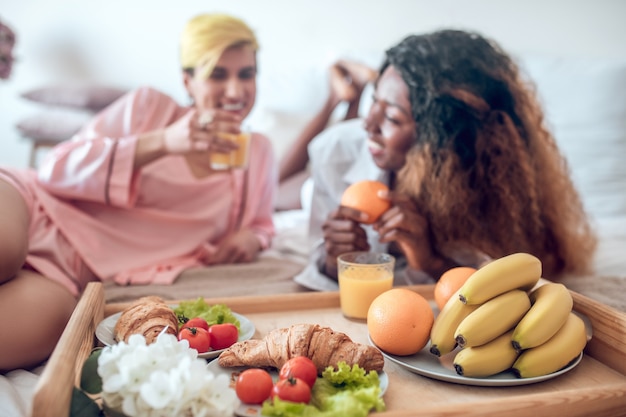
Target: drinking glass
[[237, 158], [362, 277]]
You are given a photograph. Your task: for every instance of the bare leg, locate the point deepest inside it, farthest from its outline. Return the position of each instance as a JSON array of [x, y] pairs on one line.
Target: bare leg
[[347, 80], [14, 221], [35, 309]]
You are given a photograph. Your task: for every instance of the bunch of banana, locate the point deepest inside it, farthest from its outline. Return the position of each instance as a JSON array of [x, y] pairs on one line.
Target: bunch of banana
[[498, 323], [519, 271]]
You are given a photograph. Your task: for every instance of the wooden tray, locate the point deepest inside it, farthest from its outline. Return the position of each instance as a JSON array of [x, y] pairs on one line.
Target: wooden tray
[[597, 386]]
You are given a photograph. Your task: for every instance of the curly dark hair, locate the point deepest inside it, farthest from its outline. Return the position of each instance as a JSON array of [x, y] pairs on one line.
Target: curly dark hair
[[484, 170]]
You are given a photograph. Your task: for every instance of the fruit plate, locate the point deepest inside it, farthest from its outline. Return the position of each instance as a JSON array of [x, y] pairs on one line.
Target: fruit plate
[[426, 364], [248, 410], [104, 333]]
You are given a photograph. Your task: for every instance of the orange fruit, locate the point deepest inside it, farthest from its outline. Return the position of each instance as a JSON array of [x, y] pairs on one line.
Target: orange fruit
[[450, 282], [363, 196], [399, 321]]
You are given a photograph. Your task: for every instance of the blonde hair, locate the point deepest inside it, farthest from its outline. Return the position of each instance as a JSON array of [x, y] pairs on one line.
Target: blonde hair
[[207, 36]]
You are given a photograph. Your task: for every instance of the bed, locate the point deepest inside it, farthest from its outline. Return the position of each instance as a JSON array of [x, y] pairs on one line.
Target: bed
[[582, 108]]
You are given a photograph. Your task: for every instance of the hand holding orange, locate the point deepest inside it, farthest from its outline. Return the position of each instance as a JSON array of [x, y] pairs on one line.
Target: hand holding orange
[[363, 196]]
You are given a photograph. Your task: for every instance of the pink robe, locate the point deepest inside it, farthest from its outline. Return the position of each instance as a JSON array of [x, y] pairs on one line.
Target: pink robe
[[93, 218]]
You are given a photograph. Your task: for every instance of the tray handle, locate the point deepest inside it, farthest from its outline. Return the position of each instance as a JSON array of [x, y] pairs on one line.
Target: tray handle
[[53, 392]]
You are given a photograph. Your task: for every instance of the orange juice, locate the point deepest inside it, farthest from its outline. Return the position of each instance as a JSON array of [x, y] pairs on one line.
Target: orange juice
[[362, 280], [357, 290], [235, 159]]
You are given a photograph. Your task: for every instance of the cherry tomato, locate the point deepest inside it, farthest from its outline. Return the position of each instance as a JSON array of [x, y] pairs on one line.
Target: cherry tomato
[[196, 322], [254, 385], [223, 335], [292, 389], [299, 367], [199, 339]]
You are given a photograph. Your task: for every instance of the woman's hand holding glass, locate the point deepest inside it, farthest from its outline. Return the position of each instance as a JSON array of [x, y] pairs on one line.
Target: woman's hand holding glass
[[199, 132]]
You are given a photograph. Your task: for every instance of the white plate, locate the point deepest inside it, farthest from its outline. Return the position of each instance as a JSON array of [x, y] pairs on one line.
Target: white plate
[[104, 333], [248, 410], [442, 368]]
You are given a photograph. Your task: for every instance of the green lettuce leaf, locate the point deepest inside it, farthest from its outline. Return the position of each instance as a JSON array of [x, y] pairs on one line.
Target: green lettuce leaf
[[213, 314], [345, 392]]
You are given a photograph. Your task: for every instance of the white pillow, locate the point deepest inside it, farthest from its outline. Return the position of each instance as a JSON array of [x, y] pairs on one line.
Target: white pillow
[[53, 125], [288, 96], [586, 111], [291, 92], [279, 126], [80, 96]]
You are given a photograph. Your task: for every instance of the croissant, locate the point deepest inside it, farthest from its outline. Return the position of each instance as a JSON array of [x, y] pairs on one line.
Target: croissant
[[324, 346], [147, 316]]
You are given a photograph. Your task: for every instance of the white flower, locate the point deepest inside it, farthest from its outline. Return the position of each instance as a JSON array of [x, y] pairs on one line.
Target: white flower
[[162, 379]]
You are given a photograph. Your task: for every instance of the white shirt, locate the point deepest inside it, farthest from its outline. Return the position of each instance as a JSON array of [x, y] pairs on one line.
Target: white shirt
[[339, 157]]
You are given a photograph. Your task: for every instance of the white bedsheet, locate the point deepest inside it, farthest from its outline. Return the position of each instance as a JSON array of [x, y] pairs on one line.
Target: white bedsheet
[[16, 392], [610, 257]]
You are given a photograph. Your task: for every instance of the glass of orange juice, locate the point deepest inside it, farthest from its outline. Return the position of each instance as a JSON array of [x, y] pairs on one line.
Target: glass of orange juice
[[362, 277], [237, 158]]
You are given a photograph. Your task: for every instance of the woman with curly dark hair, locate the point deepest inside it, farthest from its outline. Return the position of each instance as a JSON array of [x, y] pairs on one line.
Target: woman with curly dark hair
[[459, 137]]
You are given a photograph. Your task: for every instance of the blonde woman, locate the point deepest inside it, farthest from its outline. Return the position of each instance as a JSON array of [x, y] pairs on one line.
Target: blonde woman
[[133, 197]]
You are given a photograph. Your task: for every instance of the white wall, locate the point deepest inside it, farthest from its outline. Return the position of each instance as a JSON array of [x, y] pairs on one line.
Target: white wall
[[134, 42]]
